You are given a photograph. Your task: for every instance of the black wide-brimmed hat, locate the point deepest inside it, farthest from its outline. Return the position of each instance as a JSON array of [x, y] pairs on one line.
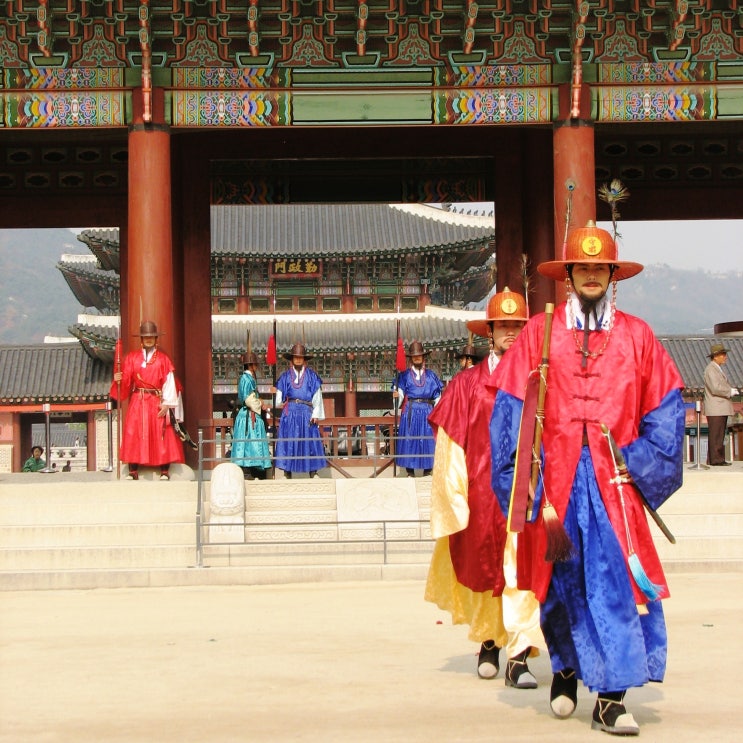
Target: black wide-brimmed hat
[[147, 329], [416, 349], [250, 358], [468, 352], [297, 350]]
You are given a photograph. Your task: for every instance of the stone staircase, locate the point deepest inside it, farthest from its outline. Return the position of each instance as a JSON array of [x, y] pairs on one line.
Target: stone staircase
[[89, 532]]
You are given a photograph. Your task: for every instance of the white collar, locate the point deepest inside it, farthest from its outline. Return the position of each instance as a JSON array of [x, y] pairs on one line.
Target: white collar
[[602, 311]]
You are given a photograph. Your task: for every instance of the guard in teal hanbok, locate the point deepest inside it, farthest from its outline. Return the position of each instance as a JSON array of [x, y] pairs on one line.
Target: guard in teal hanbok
[[249, 441]]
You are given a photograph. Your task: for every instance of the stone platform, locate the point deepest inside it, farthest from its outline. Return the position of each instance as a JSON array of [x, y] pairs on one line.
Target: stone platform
[[90, 530]]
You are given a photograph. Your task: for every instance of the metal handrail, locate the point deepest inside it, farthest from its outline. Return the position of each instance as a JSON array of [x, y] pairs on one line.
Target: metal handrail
[[203, 443], [385, 540]]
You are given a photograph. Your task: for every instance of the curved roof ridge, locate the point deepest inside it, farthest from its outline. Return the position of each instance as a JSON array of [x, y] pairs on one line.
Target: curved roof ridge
[[443, 215]]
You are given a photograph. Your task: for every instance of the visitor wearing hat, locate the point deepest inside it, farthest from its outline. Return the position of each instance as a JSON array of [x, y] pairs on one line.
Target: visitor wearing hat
[[473, 554], [34, 463], [249, 440], [468, 357], [717, 404], [148, 381], [420, 389], [606, 369], [299, 390]]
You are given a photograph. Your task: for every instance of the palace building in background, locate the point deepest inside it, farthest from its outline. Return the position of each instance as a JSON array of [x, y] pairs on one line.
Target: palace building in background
[[144, 115]]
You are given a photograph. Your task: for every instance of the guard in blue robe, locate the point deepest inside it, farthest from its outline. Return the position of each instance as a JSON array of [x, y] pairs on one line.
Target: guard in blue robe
[[298, 444], [420, 389]]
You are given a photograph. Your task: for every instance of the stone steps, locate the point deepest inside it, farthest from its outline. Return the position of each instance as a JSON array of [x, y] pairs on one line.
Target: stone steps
[[83, 534]]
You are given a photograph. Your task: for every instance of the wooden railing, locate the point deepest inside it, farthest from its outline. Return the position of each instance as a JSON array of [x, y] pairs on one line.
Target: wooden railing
[[348, 442]]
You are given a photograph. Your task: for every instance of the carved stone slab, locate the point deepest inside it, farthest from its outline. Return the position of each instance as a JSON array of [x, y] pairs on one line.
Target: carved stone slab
[[365, 500]]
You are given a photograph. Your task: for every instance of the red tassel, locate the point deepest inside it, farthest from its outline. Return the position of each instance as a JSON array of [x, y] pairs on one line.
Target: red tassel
[[401, 363], [271, 351]]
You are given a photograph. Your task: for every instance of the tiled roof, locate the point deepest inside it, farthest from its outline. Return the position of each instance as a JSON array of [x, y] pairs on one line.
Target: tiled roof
[[65, 371], [92, 286], [54, 372], [691, 357], [341, 334], [327, 229], [343, 229], [321, 333], [104, 244]]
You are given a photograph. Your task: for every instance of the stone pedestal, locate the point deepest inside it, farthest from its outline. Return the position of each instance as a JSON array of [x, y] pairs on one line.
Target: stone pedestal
[[227, 504]]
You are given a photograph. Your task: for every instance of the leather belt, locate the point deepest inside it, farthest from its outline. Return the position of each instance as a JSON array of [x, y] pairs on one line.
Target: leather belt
[[148, 390], [303, 402], [421, 400]]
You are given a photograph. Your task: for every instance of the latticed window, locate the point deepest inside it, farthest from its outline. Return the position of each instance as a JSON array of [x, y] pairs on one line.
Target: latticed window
[[225, 281], [307, 304], [259, 304], [331, 304]]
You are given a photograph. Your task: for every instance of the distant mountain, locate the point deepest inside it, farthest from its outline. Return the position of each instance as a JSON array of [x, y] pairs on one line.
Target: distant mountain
[[36, 300], [676, 302]]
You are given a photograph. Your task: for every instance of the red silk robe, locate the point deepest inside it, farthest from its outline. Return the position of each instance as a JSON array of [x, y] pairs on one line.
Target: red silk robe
[[623, 387], [148, 439]]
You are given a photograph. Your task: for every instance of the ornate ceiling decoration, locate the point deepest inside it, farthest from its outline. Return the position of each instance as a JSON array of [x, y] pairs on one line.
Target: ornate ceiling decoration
[[327, 33]]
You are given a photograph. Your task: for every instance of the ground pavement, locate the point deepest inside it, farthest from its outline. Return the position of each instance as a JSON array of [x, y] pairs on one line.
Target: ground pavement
[[335, 662]]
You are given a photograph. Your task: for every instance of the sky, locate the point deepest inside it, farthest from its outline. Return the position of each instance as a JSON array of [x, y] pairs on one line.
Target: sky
[[689, 244], [715, 245]]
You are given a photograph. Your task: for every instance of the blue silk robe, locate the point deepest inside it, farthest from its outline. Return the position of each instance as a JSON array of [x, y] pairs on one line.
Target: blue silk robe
[[590, 615]]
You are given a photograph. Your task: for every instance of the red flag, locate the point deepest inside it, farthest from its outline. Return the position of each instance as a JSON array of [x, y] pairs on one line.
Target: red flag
[[271, 351], [401, 363]]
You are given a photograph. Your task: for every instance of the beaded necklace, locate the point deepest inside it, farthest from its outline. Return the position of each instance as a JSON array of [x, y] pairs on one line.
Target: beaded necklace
[[299, 378], [571, 315], [415, 378], [147, 361]]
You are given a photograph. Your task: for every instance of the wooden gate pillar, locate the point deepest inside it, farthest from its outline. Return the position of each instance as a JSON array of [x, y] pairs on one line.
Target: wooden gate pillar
[[149, 257], [574, 172]]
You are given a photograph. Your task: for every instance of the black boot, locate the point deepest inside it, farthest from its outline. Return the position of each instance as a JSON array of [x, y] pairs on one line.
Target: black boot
[[488, 662], [248, 473], [564, 693], [518, 674], [611, 716]]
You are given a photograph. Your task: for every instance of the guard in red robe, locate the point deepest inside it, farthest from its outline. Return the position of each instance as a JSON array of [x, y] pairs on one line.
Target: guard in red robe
[[148, 381], [601, 614], [473, 571]]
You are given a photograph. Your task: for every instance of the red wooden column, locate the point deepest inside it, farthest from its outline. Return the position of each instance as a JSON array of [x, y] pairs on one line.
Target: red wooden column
[[191, 210], [574, 168], [149, 259], [509, 209]]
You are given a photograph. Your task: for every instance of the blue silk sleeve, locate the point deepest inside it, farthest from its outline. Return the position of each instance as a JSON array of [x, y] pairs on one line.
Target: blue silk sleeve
[[655, 457], [504, 433]]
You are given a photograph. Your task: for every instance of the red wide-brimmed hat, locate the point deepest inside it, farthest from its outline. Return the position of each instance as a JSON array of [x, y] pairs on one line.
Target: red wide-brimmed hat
[[590, 244], [505, 305]]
